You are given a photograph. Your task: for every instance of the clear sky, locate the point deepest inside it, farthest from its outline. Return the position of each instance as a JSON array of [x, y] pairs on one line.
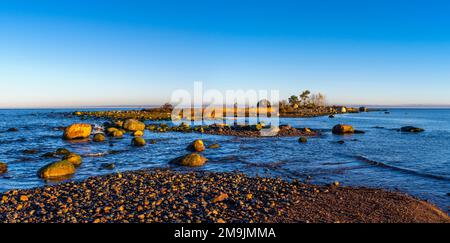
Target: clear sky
[[88, 53]]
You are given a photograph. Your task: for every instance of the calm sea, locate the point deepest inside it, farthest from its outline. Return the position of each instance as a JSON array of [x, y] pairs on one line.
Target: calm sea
[[418, 164]]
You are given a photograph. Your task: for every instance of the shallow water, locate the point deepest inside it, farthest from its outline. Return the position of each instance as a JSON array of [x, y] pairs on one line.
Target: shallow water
[[418, 164]]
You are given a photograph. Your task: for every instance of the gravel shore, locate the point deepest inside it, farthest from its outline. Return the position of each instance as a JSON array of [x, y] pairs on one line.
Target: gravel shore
[[195, 197]]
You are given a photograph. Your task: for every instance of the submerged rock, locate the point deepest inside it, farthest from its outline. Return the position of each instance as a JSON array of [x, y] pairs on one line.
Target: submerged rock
[[196, 146], [108, 166], [30, 151], [73, 158], [3, 168], [343, 129], [99, 137], [411, 129], [133, 125], [302, 140], [77, 131], [56, 170], [214, 146], [191, 160], [13, 129], [138, 142], [62, 151]]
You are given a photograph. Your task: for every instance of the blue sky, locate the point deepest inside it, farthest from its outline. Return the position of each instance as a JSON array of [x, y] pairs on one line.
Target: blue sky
[[88, 53]]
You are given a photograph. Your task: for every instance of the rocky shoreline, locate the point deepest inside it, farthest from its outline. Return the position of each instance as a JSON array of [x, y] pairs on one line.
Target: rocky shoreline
[[163, 195]]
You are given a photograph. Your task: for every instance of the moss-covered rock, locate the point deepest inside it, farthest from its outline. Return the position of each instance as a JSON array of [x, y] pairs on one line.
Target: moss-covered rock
[[77, 131], [99, 137], [191, 160], [343, 129], [57, 170], [133, 125], [138, 142], [73, 158], [196, 146], [3, 168]]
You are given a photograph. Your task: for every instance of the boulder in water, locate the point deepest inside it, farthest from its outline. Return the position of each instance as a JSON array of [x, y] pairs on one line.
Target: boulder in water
[[77, 131], [191, 160], [196, 146], [138, 142], [302, 140], [108, 166], [73, 158], [133, 125], [3, 168], [412, 129], [138, 133], [57, 170], [343, 129], [214, 146], [62, 151], [99, 137]]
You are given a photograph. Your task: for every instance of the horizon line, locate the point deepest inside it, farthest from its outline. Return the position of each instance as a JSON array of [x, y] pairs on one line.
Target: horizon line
[[411, 106]]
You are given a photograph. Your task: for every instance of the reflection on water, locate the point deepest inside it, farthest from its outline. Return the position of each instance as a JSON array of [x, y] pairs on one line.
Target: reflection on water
[[418, 164]]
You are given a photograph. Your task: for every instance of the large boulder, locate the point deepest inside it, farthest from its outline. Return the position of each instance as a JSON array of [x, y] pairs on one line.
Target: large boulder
[[77, 131], [196, 146], [343, 129], [3, 168], [191, 160], [57, 170], [73, 158], [412, 129], [133, 125]]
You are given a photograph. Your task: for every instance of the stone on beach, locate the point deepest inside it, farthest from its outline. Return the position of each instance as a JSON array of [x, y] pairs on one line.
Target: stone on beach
[[191, 160], [343, 129], [133, 125], [77, 131], [3, 168], [196, 146], [138, 142], [57, 170]]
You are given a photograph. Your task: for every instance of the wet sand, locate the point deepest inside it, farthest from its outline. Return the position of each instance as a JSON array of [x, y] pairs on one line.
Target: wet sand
[[194, 197]]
